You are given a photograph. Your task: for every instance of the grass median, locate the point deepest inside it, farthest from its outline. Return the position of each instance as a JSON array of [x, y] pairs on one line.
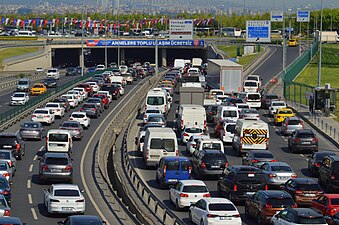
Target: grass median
[[12, 52], [232, 53]]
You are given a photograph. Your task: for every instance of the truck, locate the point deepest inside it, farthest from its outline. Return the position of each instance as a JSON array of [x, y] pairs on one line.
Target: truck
[[179, 63], [192, 95], [191, 80], [196, 62], [225, 75], [329, 37]]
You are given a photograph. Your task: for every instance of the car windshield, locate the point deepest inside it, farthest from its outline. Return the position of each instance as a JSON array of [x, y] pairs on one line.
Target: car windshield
[[167, 144], [51, 71], [56, 161], [50, 80], [263, 155], [251, 84], [230, 128], [229, 113], [281, 168], [66, 124], [152, 100], [3, 183], [278, 104], [78, 115], [19, 95], [193, 130], [152, 111], [66, 192], [195, 189], [308, 187], [5, 155], [221, 207], [155, 119], [311, 220], [253, 97], [40, 112], [58, 137]]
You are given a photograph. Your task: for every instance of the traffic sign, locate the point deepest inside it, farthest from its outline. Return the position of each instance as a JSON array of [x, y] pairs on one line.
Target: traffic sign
[[303, 16], [181, 29], [258, 31], [277, 16]]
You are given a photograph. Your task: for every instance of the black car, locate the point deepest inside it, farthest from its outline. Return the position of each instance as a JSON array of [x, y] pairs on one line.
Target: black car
[[71, 71], [13, 142], [266, 100], [91, 109], [240, 182], [5, 189], [211, 113], [209, 163], [329, 173], [78, 70], [303, 140], [50, 82], [97, 101], [82, 219], [113, 90], [314, 161], [64, 102]]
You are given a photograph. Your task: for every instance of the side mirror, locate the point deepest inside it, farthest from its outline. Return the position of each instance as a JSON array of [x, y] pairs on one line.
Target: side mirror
[[82, 191], [104, 222], [44, 189]]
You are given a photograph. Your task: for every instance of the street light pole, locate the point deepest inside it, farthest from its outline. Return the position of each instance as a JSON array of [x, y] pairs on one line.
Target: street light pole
[[331, 5], [156, 53], [118, 1], [244, 10], [105, 42], [284, 36], [320, 47], [82, 40]]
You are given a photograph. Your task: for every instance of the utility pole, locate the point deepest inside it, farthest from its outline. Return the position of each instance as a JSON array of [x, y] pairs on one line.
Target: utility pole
[[320, 47], [284, 37], [82, 40]]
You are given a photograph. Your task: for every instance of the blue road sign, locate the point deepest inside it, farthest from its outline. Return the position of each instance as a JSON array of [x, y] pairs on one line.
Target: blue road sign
[[303, 16], [258, 31]]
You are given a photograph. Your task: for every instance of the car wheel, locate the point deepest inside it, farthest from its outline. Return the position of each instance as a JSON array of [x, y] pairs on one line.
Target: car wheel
[[202, 222], [20, 156]]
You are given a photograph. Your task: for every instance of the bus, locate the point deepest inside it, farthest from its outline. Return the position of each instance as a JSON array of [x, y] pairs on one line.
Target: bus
[[231, 31]]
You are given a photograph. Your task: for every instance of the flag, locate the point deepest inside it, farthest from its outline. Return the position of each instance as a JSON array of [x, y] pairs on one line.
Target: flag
[[23, 24], [17, 22], [6, 21]]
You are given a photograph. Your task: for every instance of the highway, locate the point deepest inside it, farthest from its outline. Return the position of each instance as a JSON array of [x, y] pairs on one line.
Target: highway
[[27, 194], [278, 144]]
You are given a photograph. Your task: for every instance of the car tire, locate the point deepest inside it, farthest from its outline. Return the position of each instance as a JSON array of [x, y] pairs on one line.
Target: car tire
[[202, 222]]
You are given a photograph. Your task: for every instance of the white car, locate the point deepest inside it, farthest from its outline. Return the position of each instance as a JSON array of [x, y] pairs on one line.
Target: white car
[[298, 216], [94, 86], [214, 211], [150, 112], [19, 98], [64, 198], [81, 117], [241, 106], [191, 144], [39, 69], [109, 96], [53, 72], [189, 131], [186, 192], [77, 94], [275, 105], [72, 100], [100, 67], [57, 108], [121, 89], [82, 91], [43, 115]]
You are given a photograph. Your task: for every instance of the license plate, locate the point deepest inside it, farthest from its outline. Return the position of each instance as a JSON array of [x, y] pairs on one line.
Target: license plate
[[305, 142], [249, 193], [155, 156], [309, 195], [40, 117], [55, 170], [172, 180], [67, 209], [225, 218], [7, 146], [214, 167]]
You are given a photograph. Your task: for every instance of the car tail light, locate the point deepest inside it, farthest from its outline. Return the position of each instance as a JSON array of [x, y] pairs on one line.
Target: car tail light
[[177, 152], [236, 215], [44, 167], [5, 192], [294, 175], [332, 177], [6, 175], [10, 163], [145, 116], [93, 109], [81, 109], [273, 160], [203, 165], [186, 134], [266, 187], [207, 195], [205, 124], [316, 164], [58, 110], [190, 169], [332, 211], [315, 140], [246, 99], [235, 188], [33, 115], [227, 164], [68, 168], [70, 118], [54, 200], [7, 212], [184, 195], [17, 146], [294, 206], [268, 206], [298, 192], [297, 140], [211, 113], [255, 161], [164, 171], [272, 175], [212, 216]]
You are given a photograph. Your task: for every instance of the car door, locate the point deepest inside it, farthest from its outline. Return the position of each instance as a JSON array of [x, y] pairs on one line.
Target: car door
[[174, 192], [195, 211], [47, 195], [290, 187], [160, 169], [282, 218]]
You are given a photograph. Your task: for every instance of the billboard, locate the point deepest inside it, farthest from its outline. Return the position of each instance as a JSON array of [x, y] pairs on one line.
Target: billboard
[[181, 29], [277, 16], [145, 43], [303, 16], [258, 31]]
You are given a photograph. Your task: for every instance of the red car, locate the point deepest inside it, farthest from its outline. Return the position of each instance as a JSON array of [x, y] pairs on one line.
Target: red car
[[218, 127], [87, 87], [103, 98], [328, 204]]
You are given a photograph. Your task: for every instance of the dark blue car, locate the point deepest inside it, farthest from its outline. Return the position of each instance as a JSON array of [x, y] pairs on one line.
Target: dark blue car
[[173, 168], [5, 189]]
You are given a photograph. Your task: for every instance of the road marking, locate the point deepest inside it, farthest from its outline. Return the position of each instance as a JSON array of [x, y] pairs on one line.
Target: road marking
[[82, 162], [30, 200], [267, 58], [28, 184], [34, 214], [42, 148], [35, 157], [30, 168], [302, 155]]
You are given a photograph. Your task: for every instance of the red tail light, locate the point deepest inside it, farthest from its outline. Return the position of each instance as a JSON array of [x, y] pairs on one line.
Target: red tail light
[[272, 175], [235, 187], [184, 195], [203, 165], [207, 195], [332, 211], [4, 192], [320, 192], [266, 187], [44, 167], [297, 140], [7, 212], [236, 215], [294, 206], [17, 147], [332, 177], [145, 116], [255, 161], [10, 163], [164, 171], [297, 192], [227, 164], [68, 168], [273, 160], [81, 109], [294, 175], [315, 140], [190, 169], [211, 113], [212, 216], [205, 124], [186, 134], [70, 118], [268, 206], [6, 175]]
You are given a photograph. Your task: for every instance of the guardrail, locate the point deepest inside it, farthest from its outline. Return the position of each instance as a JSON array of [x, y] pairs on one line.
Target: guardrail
[[11, 80]]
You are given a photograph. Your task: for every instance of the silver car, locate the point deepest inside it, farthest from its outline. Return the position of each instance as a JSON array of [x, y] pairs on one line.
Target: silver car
[[5, 210], [277, 173], [8, 156], [258, 157], [291, 124], [32, 130], [56, 166], [6, 170], [74, 127], [249, 114]]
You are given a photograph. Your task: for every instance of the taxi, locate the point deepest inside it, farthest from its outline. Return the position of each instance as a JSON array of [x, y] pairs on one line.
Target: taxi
[[38, 89], [292, 43], [165, 81], [281, 114]]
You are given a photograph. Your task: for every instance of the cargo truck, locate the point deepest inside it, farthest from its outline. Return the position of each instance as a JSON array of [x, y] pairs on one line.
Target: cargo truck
[[225, 75], [329, 37], [191, 95]]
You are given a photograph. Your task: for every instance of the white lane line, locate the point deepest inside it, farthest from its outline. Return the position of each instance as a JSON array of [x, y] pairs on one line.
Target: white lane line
[[82, 162], [30, 168], [35, 157], [30, 200], [42, 148], [34, 214], [28, 184]]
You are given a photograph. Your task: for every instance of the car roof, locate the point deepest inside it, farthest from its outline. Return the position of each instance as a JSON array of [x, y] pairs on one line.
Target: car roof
[[10, 220], [56, 155], [80, 112], [277, 164], [305, 131], [193, 182], [306, 212], [218, 200], [275, 193], [175, 158], [325, 153], [65, 186], [304, 180], [243, 168], [212, 151], [84, 218], [70, 121], [260, 151]]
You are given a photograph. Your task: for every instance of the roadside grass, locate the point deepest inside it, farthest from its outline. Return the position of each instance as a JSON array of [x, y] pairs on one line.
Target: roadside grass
[[12, 52], [232, 53]]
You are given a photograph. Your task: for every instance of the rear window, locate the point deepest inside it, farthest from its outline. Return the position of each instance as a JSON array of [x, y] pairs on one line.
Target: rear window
[[78, 115], [195, 189], [52, 105], [56, 161], [155, 119], [253, 97], [37, 86], [285, 112], [221, 207], [305, 135], [5, 155], [3, 183], [167, 144], [152, 111], [250, 178], [186, 165], [280, 202], [294, 122], [216, 146], [334, 201], [30, 125], [229, 113], [230, 128], [19, 95], [211, 158], [40, 112], [252, 78], [281, 168], [172, 165], [250, 84], [308, 187], [7, 140], [311, 220], [66, 192], [58, 137], [193, 130], [153, 100], [278, 104], [89, 106], [70, 125], [263, 155]]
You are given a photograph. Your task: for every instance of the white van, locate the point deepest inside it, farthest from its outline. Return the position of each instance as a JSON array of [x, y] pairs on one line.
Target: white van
[[25, 33], [157, 99], [227, 113], [252, 99], [211, 143], [251, 86], [180, 63], [227, 132], [59, 141], [250, 135], [159, 142], [254, 78], [191, 115]]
